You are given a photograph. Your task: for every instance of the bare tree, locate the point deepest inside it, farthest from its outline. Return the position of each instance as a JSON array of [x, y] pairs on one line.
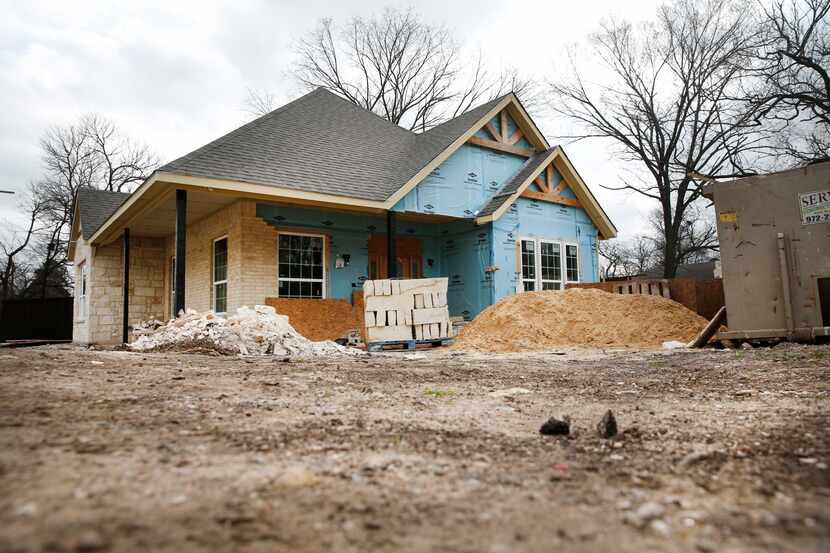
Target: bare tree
[[410, 72], [13, 272], [628, 258], [793, 93], [91, 153], [667, 103], [259, 102], [697, 237]]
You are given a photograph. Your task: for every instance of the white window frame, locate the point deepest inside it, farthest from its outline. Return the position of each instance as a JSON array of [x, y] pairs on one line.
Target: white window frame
[[290, 279], [215, 283], [538, 282], [82, 297], [536, 258], [565, 262], [542, 280]]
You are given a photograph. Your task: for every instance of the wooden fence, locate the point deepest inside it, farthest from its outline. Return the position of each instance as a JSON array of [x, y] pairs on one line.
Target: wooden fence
[[704, 297], [36, 319]]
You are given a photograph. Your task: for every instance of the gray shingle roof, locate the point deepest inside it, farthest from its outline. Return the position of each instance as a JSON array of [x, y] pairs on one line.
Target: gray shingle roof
[[95, 207], [511, 186], [324, 143]]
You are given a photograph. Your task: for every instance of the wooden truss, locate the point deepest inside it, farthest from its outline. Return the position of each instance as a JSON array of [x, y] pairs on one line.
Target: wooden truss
[[547, 192], [501, 139]]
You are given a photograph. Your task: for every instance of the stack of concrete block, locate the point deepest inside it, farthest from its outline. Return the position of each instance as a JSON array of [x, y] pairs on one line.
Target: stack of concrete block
[[413, 309]]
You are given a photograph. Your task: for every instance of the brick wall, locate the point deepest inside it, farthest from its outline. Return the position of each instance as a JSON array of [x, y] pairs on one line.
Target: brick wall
[[252, 258]]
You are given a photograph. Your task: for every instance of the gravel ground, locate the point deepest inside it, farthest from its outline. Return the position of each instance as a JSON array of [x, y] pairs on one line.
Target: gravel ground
[[436, 451]]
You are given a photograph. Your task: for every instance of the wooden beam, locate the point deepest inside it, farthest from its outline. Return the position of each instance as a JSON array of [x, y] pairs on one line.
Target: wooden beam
[[516, 136], [493, 145], [493, 132], [540, 182], [503, 125], [552, 198], [563, 184], [549, 176]]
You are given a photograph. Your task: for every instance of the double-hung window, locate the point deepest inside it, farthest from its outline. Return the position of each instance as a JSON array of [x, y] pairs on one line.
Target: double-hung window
[[302, 270], [572, 262], [529, 264], [543, 265], [220, 275], [550, 256]]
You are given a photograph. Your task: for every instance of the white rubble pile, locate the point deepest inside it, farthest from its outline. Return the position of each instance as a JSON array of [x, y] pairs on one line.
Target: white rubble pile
[[260, 330]]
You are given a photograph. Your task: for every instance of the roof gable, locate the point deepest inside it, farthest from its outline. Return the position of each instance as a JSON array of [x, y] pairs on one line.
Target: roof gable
[[550, 161], [93, 207]]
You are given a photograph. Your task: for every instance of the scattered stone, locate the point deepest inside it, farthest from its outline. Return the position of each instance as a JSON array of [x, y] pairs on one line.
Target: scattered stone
[[808, 460], [695, 457], [297, 476], [659, 527], [26, 510], [556, 427], [260, 330], [705, 547], [746, 345], [644, 514], [90, 541], [607, 426], [509, 392]]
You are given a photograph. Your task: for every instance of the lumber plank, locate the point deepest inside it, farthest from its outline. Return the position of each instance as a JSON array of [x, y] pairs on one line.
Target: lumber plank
[[369, 318], [493, 145], [368, 288], [492, 130], [396, 287], [515, 137], [419, 301], [428, 301]]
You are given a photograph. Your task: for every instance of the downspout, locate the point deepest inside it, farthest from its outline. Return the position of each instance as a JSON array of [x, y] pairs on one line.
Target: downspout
[[785, 284]]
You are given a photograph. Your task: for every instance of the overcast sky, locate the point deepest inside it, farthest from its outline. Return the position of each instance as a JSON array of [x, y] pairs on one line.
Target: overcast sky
[[174, 74]]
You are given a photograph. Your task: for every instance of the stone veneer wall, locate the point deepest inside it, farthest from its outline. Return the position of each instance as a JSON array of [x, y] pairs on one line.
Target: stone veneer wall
[[252, 258], [252, 272], [102, 323]]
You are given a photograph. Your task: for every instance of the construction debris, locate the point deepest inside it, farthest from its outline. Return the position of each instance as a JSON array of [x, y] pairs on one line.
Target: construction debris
[[260, 330], [541, 321]]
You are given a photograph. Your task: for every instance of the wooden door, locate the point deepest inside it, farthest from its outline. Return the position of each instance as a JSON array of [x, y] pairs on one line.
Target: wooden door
[[407, 251]]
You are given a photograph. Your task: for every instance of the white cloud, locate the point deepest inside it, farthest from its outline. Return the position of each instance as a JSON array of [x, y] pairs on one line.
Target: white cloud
[[174, 74]]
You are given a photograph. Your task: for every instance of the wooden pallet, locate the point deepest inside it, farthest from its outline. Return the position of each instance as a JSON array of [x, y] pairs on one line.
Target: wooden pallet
[[408, 344]]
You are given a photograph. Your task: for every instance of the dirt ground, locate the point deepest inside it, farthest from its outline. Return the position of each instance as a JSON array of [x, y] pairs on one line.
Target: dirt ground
[[718, 451]]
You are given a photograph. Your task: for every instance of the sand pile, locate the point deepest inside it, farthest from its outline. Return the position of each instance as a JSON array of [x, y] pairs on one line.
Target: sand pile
[[539, 321], [250, 331]]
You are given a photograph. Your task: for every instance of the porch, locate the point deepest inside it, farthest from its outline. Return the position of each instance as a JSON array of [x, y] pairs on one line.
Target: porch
[[243, 251]]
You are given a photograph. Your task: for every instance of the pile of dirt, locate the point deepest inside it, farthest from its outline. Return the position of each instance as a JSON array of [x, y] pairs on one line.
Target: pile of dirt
[[539, 321], [250, 331]]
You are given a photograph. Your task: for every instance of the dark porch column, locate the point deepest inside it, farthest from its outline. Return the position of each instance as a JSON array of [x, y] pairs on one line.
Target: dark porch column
[[181, 231], [126, 288], [391, 256]]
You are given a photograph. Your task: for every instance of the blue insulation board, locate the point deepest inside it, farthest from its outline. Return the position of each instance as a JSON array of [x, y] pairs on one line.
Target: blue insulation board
[[463, 183], [535, 219]]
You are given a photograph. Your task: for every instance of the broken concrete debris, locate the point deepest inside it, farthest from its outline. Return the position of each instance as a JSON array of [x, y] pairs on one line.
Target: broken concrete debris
[[556, 427], [257, 330], [607, 426]]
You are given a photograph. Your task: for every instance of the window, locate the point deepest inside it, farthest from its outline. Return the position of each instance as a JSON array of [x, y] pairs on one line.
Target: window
[[220, 275], [542, 264], [301, 271], [528, 265], [551, 265], [572, 262], [82, 279]]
